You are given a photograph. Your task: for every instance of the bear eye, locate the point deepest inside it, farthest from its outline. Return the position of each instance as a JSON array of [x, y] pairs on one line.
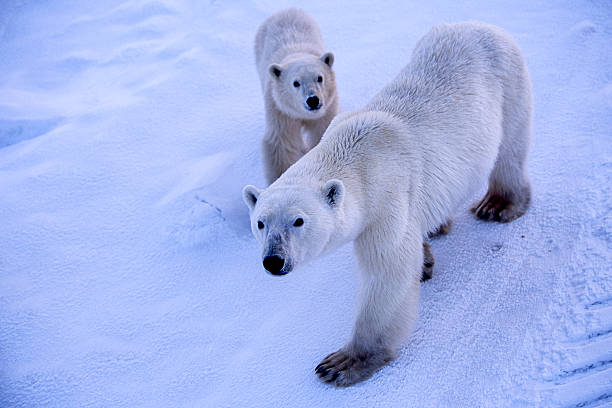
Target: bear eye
[[296, 84], [319, 79], [299, 222], [260, 225]]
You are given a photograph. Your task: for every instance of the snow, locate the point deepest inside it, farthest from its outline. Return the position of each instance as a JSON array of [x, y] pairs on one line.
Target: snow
[[129, 276]]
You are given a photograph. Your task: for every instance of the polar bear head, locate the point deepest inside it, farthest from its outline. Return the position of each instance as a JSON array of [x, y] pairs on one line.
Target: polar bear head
[[293, 224], [304, 86]]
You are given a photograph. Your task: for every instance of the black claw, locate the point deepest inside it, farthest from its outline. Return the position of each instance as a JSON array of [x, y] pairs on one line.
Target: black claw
[[322, 371], [336, 374], [428, 264], [318, 367]]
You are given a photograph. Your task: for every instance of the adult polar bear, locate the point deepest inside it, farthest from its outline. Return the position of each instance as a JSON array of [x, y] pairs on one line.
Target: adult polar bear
[[390, 173], [299, 87]]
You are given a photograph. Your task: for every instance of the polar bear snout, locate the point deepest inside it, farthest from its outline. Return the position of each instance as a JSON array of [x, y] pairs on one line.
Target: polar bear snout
[[313, 102], [274, 264], [275, 257]]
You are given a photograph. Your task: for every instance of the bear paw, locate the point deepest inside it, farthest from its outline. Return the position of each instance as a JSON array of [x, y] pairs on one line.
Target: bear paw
[[494, 207], [343, 369]]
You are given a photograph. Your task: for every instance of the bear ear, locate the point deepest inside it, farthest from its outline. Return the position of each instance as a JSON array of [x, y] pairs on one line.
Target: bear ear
[[250, 194], [328, 59], [333, 191], [275, 70]]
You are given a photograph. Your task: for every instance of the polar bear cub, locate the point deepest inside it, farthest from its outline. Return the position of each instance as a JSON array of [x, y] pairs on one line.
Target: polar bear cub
[[298, 84], [387, 175]]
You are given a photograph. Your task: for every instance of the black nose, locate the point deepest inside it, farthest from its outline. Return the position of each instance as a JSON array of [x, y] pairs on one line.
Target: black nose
[[313, 102], [274, 264]]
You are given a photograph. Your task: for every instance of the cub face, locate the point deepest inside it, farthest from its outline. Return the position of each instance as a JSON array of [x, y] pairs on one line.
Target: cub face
[[303, 88], [292, 224]]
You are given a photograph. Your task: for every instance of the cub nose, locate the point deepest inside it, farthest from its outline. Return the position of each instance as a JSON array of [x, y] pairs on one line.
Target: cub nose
[[313, 102], [274, 264]]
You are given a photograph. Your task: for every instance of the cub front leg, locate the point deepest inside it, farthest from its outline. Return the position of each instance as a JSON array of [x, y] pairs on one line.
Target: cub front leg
[[315, 128], [282, 144], [388, 307]]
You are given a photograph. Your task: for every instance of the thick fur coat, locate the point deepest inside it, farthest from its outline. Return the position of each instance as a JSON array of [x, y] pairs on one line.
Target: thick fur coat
[[298, 85], [387, 175]]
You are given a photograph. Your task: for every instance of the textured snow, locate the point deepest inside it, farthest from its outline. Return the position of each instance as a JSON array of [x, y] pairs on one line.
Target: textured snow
[[128, 273]]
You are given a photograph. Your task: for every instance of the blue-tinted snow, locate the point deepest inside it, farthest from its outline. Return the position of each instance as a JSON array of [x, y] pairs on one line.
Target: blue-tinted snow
[[128, 273]]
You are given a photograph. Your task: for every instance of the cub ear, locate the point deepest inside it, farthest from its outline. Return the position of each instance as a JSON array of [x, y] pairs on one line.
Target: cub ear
[[250, 194], [275, 70], [333, 191], [328, 58]]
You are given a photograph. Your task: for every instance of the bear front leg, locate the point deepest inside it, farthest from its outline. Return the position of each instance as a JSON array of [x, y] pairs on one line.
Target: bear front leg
[[282, 146], [388, 308], [315, 128]]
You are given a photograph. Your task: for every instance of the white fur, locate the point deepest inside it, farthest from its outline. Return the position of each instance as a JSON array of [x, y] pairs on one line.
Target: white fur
[[290, 44], [460, 111]]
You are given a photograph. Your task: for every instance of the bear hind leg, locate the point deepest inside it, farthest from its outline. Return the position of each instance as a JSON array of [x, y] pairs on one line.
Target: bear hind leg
[[428, 263], [443, 229], [509, 193]]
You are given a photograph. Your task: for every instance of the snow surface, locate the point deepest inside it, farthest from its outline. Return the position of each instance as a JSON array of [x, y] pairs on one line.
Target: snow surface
[[128, 273]]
